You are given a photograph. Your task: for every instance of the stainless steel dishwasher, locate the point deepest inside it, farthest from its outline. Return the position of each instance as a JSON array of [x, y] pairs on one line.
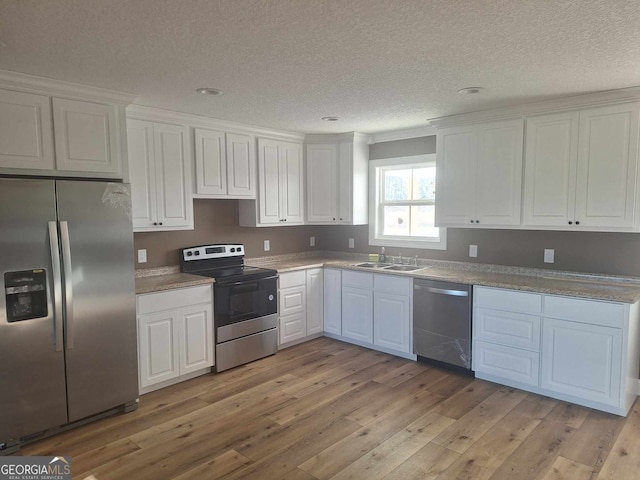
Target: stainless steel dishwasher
[[442, 323]]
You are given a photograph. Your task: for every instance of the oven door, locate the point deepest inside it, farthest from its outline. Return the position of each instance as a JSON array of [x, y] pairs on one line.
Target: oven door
[[236, 301]]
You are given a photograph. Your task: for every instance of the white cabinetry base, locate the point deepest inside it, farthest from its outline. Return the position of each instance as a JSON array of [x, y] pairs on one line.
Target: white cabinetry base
[[408, 356]]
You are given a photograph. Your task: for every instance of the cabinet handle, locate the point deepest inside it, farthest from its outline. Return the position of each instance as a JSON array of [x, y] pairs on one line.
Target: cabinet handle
[[341, 219], [477, 221], [577, 222], [160, 223], [155, 223], [471, 221], [570, 223]]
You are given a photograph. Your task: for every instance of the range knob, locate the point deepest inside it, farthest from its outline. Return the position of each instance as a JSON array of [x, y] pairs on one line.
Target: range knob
[[197, 252], [233, 250], [189, 253]]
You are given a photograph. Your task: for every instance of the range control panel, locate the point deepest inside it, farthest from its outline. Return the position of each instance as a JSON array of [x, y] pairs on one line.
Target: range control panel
[[205, 252]]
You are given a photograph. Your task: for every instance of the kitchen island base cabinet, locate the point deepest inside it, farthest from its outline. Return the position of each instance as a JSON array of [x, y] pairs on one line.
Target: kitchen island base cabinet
[[574, 349], [175, 336]]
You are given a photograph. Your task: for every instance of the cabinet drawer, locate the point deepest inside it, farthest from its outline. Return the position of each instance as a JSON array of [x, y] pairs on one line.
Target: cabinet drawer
[[508, 300], [176, 298], [393, 284], [507, 328], [292, 300], [292, 279], [509, 363], [357, 279], [585, 311]]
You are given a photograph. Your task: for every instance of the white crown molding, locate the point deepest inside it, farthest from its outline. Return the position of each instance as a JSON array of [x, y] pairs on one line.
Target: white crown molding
[[320, 138], [49, 86], [405, 134], [536, 108], [199, 121]]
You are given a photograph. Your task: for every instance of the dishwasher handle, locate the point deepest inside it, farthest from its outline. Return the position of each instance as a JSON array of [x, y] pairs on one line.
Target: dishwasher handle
[[442, 291]]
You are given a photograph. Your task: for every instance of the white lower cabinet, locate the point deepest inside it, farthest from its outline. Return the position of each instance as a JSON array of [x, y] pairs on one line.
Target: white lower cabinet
[[375, 310], [175, 336], [574, 349], [299, 306], [332, 301]]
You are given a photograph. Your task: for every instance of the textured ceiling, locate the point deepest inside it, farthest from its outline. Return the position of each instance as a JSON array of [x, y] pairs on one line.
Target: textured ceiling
[[377, 64]]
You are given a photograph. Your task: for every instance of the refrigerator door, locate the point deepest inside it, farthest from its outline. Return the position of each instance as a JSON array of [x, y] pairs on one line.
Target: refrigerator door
[[96, 239], [32, 376]]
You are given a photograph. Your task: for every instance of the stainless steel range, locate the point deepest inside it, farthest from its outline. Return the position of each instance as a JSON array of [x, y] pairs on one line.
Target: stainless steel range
[[245, 303]]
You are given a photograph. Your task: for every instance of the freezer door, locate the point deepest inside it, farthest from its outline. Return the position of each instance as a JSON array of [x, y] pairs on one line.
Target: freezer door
[[32, 382], [96, 239]]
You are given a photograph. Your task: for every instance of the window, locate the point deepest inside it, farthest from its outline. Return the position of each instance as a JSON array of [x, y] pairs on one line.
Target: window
[[402, 203]]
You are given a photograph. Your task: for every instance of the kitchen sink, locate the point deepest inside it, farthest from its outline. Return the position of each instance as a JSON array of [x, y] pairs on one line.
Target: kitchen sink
[[403, 268], [374, 265]]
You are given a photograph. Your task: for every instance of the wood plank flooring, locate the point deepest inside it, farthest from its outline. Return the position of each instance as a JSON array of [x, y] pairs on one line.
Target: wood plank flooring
[[329, 410]]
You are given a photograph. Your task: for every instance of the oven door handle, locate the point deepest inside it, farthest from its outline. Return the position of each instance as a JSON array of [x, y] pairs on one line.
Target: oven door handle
[[233, 284]]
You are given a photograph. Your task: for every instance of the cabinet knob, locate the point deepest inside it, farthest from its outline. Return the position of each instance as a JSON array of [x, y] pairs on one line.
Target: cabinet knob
[[570, 223], [155, 223], [471, 221], [341, 218], [477, 221], [577, 222]]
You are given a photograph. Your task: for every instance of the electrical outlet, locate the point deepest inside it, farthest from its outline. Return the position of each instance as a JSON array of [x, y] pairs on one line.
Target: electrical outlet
[[312, 241], [142, 255], [549, 255], [267, 245], [352, 243], [473, 250]]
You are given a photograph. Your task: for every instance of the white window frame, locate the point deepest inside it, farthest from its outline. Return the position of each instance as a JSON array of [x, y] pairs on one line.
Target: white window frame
[[375, 210]]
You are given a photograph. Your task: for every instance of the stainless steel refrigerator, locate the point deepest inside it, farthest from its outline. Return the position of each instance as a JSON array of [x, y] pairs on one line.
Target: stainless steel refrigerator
[[68, 347]]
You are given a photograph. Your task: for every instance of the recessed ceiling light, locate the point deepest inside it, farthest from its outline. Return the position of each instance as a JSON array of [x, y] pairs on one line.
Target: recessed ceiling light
[[330, 119], [470, 90], [209, 91]]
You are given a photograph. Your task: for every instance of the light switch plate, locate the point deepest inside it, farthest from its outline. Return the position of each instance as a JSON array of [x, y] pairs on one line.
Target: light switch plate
[[352, 243], [473, 250], [312, 241], [267, 245], [549, 255], [142, 255]]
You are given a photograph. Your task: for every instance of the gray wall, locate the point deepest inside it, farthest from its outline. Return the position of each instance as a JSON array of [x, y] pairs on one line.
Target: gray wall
[[611, 253]]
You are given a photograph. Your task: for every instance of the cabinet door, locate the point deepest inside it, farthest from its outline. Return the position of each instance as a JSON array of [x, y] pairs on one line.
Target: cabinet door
[[456, 180], [159, 354], [607, 166], [86, 137], [514, 364], [345, 183], [269, 177], [142, 172], [315, 299], [357, 314], [582, 360], [332, 286], [321, 183], [196, 338], [26, 138], [241, 166], [499, 173], [392, 321], [550, 169], [211, 162], [292, 310], [291, 197], [173, 176]]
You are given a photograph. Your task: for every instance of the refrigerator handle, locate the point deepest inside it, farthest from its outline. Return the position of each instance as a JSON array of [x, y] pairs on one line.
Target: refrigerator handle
[[68, 283], [57, 286]]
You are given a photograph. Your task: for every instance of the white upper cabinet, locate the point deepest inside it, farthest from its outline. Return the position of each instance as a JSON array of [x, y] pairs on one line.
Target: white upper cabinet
[[580, 169], [280, 186], [225, 165], [26, 139], [337, 176], [86, 136], [160, 176], [480, 174]]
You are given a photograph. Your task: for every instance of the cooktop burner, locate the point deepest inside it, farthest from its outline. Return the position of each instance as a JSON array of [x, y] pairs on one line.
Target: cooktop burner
[[224, 262]]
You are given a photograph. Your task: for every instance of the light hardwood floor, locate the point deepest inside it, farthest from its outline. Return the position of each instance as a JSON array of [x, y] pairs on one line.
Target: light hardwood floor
[[325, 409]]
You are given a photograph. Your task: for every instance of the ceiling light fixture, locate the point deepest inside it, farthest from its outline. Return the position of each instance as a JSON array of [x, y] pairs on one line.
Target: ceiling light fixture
[[330, 119], [209, 91], [470, 90]]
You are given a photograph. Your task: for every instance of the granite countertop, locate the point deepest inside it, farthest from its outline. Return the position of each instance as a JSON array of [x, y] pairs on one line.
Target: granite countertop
[[166, 278], [597, 287]]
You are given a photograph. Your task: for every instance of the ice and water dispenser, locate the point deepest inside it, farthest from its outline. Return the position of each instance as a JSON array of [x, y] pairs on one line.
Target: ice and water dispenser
[[25, 294]]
